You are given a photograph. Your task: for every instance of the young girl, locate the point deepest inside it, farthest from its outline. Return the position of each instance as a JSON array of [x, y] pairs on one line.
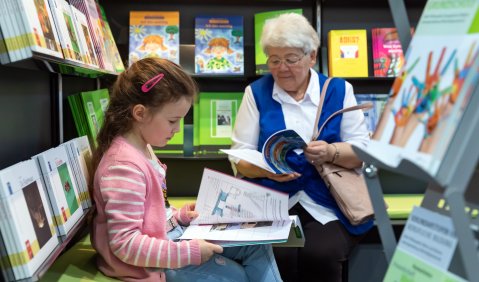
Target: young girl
[[134, 227]]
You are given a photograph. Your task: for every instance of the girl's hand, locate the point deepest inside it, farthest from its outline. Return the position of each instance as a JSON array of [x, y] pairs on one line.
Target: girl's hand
[[190, 211], [208, 250]]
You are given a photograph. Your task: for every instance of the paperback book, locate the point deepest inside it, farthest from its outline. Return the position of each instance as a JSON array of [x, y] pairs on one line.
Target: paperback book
[[217, 115], [154, 34], [429, 96], [219, 45], [27, 225], [61, 188], [259, 20], [235, 212], [388, 57], [85, 38], [348, 53]]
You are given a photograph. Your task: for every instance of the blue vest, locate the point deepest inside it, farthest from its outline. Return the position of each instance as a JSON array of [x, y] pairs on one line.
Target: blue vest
[[271, 119]]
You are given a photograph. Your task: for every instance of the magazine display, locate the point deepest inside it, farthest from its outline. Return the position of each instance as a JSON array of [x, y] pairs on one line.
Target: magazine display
[[27, 224], [236, 212]]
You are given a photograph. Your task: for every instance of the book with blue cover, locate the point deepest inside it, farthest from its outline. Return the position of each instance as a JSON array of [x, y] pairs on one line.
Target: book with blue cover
[[219, 45]]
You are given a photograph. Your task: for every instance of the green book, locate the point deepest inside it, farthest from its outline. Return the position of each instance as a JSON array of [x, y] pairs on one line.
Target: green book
[[94, 106], [259, 21], [217, 114]]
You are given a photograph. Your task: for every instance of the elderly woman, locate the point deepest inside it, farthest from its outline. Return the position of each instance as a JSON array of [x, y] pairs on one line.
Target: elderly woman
[[289, 98]]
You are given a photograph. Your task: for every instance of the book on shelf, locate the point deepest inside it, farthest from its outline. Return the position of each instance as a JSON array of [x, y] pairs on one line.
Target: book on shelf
[[219, 45], [154, 34], [27, 27], [88, 110], [388, 57], [27, 225], [110, 44], [80, 158], [84, 36], [372, 115], [348, 53], [259, 21], [61, 187], [217, 115], [273, 154], [234, 212], [67, 34], [429, 96]]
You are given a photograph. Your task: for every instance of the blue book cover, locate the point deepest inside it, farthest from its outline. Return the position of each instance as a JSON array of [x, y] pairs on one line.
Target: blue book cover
[[219, 45]]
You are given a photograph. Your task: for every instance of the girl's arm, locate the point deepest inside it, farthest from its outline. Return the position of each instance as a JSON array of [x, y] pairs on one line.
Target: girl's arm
[[123, 192]]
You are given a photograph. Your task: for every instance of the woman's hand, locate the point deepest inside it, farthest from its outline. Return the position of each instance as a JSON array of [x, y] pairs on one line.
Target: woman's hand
[[251, 171], [208, 250], [285, 177], [319, 152]]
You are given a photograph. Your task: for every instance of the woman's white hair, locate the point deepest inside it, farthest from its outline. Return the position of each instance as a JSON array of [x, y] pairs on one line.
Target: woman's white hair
[[289, 30]]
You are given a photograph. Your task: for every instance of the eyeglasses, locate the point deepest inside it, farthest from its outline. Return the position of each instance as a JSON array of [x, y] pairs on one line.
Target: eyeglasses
[[290, 60]]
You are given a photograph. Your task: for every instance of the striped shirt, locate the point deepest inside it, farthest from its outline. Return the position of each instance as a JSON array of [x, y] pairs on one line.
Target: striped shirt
[[129, 229]]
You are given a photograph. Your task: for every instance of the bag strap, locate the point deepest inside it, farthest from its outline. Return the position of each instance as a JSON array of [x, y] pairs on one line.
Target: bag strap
[[320, 108]]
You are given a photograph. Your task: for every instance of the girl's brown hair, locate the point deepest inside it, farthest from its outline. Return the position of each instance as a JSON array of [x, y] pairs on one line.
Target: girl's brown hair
[[126, 93]]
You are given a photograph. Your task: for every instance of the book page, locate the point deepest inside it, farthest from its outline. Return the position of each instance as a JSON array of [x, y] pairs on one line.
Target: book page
[[225, 199], [249, 155]]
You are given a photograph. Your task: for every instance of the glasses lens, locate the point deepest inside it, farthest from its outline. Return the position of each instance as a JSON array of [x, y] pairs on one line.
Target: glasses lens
[[273, 61], [292, 60]]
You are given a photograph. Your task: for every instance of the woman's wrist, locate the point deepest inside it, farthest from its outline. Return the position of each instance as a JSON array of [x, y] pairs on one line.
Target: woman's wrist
[[336, 153]]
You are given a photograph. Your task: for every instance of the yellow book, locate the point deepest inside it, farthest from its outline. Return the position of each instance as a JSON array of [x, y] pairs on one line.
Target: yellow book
[[348, 53]]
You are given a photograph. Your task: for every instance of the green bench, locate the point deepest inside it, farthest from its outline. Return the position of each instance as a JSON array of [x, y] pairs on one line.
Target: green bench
[[78, 263]]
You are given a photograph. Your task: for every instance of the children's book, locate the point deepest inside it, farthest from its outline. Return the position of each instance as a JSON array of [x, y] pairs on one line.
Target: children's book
[[217, 115], [154, 34], [273, 154], [219, 45], [388, 57], [84, 36], [234, 212], [110, 45], [429, 96], [372, 115], [259, 20], [348, 53], [67, 33], [27, 225], [61, 187]]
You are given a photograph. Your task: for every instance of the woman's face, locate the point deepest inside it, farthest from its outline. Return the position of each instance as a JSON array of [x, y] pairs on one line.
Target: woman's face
[[290, 67]]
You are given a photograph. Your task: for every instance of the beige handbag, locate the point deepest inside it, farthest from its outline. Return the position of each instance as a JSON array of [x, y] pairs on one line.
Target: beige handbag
[[347, 186]]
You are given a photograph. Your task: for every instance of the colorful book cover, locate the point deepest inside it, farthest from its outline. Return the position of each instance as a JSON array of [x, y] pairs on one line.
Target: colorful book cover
[[259, 21], [388, 57], [154, 34], [429, 96], [39, 27], [219, 45], [110, 45], [217, 115], [88, 49], [61, 187], [372, 115], [67, 33], [26, 221], [348, 53]]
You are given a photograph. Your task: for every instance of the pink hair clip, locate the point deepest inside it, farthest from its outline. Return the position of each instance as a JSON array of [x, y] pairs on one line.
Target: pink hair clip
[[152, 82]]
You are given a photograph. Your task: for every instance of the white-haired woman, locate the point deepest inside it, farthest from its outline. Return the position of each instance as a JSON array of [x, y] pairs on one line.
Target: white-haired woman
[[289, 98]]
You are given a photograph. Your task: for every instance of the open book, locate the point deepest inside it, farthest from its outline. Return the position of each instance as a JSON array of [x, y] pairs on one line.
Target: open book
[[234, 212], [275, 149], [433, 89]]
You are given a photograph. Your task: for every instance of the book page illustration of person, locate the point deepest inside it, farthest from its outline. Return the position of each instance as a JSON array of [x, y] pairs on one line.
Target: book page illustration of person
[[219, 47], [153, 45], [47, 29]]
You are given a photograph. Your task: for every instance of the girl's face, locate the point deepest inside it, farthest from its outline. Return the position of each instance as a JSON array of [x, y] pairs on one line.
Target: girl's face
[[160, 126]]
